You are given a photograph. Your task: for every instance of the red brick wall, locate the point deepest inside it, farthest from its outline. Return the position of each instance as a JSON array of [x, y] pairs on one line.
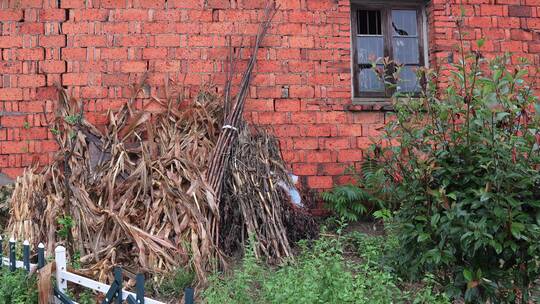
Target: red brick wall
[[507, 25], [302, 87]]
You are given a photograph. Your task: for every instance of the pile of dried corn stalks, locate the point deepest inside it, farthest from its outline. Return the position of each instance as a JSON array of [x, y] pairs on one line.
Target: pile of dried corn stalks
[[136, 192], [147, 192]]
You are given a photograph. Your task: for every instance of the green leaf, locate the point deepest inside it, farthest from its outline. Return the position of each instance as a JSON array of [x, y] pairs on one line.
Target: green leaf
[[467, 274], [516, 229], [480, 42]]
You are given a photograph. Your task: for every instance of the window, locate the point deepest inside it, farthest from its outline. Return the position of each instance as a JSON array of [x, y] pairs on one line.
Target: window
[[392, 31]]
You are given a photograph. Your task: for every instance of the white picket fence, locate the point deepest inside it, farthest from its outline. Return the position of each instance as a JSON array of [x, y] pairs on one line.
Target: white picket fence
[[63, 276]]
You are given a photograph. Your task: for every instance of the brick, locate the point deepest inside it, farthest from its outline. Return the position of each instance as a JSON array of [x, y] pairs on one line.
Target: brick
[[151, 3], [131, 40], [13, 121], [52, 66], [30, 54], [133, 66], [13, 147], [336, 143], [34, 133], [288, 4], [11, 15], [90, 41], [116, 79], [333, 168], [296, 91], [167, 40], [93, 92], [154, 53], [185, 4], [320, 182], [48, 146], [519, 11], [305, 143], [301, 42], [10, 67], [130, 15], [288, 105], [304, 169], [320, 157], [74, 54], [72, 3], [10, 94], [217, 4], [322, 5], [51, 14], [31, 81], [10, 41], [114, 53], [88, 14], [31, 28], [75, 79], [52, 41], [349, 155]]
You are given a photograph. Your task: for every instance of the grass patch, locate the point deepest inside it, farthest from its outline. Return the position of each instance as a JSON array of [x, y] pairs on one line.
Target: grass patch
[[350, 268]]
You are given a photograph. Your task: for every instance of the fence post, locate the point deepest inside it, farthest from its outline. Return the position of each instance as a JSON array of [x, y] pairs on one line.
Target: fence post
[[139, 288], [26, 255], [12, 260], [118, 279], [189, 295], [1, 253], [41, 255], [61, 266]]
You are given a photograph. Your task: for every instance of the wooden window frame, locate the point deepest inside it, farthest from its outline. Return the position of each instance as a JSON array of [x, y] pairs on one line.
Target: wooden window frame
[[386, 8]]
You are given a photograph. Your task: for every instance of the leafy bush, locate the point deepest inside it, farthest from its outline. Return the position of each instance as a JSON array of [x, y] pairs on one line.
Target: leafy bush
[[465, 165], [320, 274], [17, 288]]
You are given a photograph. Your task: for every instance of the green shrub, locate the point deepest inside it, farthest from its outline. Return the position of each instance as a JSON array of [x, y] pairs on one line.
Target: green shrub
[[17, 288], [320, 274], [465, 164]]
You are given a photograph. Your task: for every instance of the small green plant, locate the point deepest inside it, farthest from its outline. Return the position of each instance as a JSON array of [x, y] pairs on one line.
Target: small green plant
[[76, 260], [17, 287], [72, 119], [26, 125], [346, 201], [84, 297], [372, 190], [173, 285], [65, 224], [55, 131]]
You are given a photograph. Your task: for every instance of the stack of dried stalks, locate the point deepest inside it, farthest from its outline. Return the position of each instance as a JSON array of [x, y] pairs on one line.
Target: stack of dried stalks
[[136, 192], [147, 192]]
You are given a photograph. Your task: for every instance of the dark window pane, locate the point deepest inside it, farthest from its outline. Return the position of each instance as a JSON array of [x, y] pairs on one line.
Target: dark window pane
[[370, 48], [406, 50], [404, 22], [369, 81], [408, 81], [369, 23]]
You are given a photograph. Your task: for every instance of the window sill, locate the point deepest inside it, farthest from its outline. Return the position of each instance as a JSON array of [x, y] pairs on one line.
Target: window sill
[[371, 104]]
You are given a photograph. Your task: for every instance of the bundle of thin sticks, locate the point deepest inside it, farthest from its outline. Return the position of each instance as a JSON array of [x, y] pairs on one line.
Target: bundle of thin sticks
[[233, 121]]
